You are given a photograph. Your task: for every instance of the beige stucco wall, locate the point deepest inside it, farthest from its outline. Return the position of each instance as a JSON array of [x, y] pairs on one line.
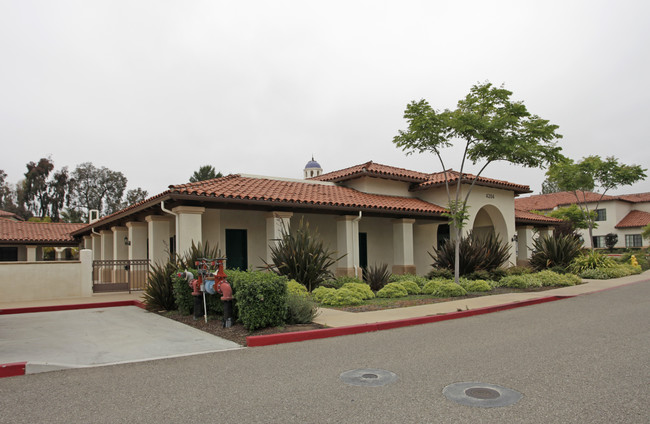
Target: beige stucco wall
[[380, 186]]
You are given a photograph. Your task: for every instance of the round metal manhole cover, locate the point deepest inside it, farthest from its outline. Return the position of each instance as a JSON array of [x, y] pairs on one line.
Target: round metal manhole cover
[[368, 377], [481, 394]]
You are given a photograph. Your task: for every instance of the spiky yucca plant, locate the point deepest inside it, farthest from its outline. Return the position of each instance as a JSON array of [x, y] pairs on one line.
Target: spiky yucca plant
[[159, 294], [485, 252], [376, 276], [550, 251], [196, 252], [302, 256]]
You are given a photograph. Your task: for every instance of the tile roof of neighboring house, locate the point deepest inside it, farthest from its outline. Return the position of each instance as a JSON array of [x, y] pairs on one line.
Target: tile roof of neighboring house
[[635, 198], [420, 180], [543, 202], [525, 217], [301, 193], [21, 232], [634, 219], [10, 215]]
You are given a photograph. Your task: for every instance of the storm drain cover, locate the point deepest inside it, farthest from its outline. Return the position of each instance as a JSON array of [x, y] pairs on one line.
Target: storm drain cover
[[368, 377], [481, 394]]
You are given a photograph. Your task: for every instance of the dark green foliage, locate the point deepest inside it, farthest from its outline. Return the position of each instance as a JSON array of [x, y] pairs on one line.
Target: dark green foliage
[[550, 252], [518, 270], [205, 172], [185, 300], [302, 256], [261, 298], [419, 280], [187, 260], [300, 310], [477, 253], [159, 294], [339, 282], [610, 241], [440, 273], [640, 256], [376, 276]]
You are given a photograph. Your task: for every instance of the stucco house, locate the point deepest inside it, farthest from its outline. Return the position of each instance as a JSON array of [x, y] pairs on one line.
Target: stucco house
[[25, 241], [624, 215], [371, 213]]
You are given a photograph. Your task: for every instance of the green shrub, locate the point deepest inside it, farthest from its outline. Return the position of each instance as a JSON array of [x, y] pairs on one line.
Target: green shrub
[[342, 297], [594, 274], [397, 278], [319, 293], [619, 271], [475, 285], [437, 273], [376, 276], [302, 256], [296, 289], [392, 290], [641, 258], [411, 287], [261, 299], [476, 252], [339, 282], [478, 275], [519, 270], [450, 290], [196, 252], [159, 294], [432, 286], [362, 289], [497, 274], [550, 251], [300, 309], [185, 300], [591, 260], [548, 278], [524, 281]]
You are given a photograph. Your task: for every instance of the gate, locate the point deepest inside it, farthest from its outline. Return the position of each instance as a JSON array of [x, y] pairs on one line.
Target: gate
[[120, 275]]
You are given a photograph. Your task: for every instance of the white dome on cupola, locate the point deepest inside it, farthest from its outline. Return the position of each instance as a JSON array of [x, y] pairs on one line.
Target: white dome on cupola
[[312, 169]]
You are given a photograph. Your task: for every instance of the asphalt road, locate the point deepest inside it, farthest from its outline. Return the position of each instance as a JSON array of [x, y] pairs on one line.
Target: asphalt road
[[582, 360]]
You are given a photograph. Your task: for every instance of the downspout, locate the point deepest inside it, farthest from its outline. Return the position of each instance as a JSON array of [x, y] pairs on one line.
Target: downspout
[[355, 220], [162, 206]]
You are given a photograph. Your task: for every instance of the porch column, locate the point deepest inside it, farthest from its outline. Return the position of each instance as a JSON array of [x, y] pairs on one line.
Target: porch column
[[403, 246], [545, 231], [59, 253], [87, 243], [275, 222], [158, 229], [120, 250], [524, 241], [347, 243], [107, 255], [189, 227], [96, 242], [31, 253], [137, 233]]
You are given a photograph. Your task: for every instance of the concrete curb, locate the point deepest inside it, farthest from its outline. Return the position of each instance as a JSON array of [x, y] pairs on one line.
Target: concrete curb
[[298, 336], [53, 308]]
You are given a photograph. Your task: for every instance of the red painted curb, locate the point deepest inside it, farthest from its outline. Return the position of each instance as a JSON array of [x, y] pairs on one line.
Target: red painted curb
[[13, 369], [298, 336], [71, 307]]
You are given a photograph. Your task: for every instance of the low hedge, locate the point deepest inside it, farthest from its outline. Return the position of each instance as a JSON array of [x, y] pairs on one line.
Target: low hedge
[[341, 297], [297, 289], [398, 278], [450, 290], [475, 285], [392, 290], [261, 298], [362, 289], [432, 286], [411, 287], [319, 293]]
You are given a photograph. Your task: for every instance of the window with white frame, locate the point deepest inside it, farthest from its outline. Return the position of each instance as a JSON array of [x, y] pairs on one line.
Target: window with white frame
[[599, 241], [633, 240], [601, 215]]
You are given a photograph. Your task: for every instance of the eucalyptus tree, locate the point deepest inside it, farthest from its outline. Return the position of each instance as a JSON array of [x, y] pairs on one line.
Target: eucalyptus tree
[[205, 172], [593, 174], [491, 128]]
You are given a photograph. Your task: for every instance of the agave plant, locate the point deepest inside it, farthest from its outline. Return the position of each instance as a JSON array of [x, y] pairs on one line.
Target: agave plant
[[550, 252], [302, 256], [159, 294], [376, 276], [476, 253]]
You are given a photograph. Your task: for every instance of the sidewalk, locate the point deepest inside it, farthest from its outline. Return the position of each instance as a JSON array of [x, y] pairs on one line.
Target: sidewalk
[[336, 318]]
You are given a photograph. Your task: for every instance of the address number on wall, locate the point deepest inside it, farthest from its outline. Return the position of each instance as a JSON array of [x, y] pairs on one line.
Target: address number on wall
[[489, 196]]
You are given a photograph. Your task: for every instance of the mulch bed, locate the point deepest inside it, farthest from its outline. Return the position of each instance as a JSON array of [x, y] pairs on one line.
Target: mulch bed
[[237, 333]]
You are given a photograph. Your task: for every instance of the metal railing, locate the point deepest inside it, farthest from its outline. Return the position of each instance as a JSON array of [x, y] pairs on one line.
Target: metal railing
[[120, 275]]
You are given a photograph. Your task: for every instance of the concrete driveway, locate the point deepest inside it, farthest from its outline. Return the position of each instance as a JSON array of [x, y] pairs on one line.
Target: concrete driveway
[[84, 338]]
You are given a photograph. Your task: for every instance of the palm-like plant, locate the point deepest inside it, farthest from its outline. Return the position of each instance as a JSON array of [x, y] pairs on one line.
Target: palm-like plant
[[549, 251], [159, 294], [485, 252], [377, 276], [302, 256]]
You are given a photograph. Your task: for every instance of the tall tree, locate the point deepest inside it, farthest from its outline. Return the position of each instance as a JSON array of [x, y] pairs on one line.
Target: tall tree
[[5, 191], [135, 196], [58, 189], [593, 174], [36, 186], [491, 128], [206, 172], [97, 188], [549, 187]]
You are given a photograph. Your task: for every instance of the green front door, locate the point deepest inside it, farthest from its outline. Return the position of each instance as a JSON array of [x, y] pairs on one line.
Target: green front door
[[236, 249]]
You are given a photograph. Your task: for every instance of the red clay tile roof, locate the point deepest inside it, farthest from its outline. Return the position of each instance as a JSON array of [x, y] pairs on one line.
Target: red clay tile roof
[[298, 193], [525, 217], [635, 198], [634, 219], [438, 179], [542, 202], [20, 232], [10, 215], [372, 169]]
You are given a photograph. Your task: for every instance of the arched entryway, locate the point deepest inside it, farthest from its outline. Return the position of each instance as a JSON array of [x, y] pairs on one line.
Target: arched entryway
[[489, 220]]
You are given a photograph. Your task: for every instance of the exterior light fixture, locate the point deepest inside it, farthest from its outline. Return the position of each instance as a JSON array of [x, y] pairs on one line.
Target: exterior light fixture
[[127, 241]]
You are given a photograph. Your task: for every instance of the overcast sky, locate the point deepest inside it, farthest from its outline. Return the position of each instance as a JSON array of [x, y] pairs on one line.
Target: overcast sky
[[155, 89]]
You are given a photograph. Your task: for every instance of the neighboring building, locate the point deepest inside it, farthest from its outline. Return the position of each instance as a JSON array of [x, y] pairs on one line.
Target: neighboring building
[[10, 215], [370, 213], [24, 241], [624, 215]]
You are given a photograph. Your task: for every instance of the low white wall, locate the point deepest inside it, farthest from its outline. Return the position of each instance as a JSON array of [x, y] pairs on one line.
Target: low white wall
[[25, 281]]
